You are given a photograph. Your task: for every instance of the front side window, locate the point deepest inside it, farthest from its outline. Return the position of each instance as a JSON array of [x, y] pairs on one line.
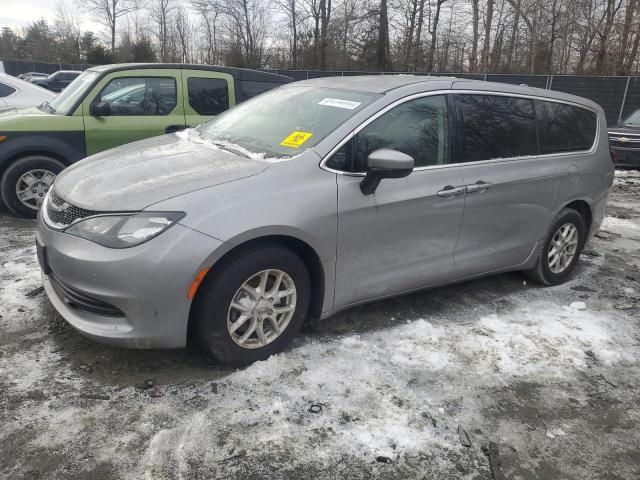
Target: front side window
[[208, 96], [565, 128], [139, 96], [286, 121], [6, 90], [496, 126], [418, 128]]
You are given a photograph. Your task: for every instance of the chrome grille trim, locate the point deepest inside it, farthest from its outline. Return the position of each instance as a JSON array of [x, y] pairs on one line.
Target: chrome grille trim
[[59, 214]]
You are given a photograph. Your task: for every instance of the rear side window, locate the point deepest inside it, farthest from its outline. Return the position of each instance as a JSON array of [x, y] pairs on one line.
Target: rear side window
[[208, 96], [6, 90], [565, 128], [496, 126]]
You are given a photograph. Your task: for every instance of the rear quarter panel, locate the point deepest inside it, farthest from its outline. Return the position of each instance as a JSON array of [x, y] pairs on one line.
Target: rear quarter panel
[[587, 176]]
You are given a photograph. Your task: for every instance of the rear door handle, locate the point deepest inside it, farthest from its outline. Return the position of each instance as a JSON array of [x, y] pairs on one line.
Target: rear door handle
[[175, 128], [479, 186], [450, 191]]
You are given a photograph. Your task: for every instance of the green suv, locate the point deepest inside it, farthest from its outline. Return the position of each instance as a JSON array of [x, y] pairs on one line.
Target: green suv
[[108, 106]]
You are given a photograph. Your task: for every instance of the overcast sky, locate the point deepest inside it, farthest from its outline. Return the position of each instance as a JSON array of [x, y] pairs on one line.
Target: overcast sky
[[20, 13]]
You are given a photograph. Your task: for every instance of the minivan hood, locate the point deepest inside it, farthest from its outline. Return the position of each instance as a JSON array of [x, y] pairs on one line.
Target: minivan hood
[[134, 176]]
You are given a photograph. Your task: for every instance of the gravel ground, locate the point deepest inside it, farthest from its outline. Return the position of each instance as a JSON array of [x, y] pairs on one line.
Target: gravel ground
[[494, 378]]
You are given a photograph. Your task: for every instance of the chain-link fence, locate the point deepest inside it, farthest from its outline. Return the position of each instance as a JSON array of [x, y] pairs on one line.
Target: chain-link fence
[[16, 67], [618, 96]]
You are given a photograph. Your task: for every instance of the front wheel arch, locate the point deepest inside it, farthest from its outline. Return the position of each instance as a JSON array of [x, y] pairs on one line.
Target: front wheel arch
[[303, 249]]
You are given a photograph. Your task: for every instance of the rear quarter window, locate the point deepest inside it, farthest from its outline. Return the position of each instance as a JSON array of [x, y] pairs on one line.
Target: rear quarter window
[[6, 90], [565, 128]]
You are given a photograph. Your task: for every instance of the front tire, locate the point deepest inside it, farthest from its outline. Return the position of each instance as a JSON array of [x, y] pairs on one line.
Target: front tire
[[252, 304], [26, 181], [560, 250]]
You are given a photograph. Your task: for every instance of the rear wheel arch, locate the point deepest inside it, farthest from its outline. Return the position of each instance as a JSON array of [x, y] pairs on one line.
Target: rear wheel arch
[[306, 253], [584, 209]]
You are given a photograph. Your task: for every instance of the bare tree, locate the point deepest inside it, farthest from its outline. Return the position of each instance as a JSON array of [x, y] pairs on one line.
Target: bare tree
[[108, 12], [160, 12], [66, 27]]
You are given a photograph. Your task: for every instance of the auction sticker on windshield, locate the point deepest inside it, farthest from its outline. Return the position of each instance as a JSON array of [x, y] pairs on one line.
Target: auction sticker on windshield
[[296, 139], [339, 103]]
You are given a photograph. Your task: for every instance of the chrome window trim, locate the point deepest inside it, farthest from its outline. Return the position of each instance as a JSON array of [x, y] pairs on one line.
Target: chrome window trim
[[354, 132], [622, 134]]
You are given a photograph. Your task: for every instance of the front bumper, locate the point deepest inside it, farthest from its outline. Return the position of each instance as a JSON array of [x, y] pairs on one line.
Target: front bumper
[[627, 157], [133, 297]]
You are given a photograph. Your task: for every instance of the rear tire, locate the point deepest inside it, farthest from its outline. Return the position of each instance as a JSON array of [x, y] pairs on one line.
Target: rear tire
[[555, 262], [26, 181], [231, 282]]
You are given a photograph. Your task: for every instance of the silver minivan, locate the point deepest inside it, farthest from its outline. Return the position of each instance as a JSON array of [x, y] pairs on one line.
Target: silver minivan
[[318, 196]]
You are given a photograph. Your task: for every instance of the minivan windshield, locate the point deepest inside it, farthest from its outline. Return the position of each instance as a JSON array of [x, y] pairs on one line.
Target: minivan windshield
[[633, 120], [67, 99], [285, 121]]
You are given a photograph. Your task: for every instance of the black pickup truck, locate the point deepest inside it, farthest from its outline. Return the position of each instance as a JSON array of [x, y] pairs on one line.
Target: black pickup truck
[[624, 140]]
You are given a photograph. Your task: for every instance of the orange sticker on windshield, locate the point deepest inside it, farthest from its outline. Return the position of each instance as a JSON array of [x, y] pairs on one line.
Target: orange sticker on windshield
[[296, 139]]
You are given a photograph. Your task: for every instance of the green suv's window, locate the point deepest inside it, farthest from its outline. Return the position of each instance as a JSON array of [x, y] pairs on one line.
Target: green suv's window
[[208, 96], [139, 96], [71, 96]]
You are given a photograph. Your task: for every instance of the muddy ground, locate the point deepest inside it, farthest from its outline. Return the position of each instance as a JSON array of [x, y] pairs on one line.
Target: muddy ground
[[495, 378]]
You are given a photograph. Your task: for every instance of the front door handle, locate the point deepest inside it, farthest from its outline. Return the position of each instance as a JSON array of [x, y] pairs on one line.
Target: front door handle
[[479, 186], [450, 191], [175, 128]]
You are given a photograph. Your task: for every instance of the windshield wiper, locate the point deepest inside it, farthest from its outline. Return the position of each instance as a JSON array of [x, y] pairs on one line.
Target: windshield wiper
[[229, 149], [45, 107]]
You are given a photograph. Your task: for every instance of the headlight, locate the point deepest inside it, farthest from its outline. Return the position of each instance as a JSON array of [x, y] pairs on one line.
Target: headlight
[[124, 230]]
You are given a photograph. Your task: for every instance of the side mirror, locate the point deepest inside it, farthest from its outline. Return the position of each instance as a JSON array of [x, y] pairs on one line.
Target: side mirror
[[385, 163], [100, 109]]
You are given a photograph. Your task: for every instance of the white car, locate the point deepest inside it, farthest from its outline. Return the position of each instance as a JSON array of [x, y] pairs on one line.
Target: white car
[[16, 93]]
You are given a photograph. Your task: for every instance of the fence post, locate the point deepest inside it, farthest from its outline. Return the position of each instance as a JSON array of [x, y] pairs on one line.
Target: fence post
[[624, 99], [550, 82]]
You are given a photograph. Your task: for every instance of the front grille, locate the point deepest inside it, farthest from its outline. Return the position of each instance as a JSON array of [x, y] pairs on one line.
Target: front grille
[[62, 214], [624, 141], [81, 301]]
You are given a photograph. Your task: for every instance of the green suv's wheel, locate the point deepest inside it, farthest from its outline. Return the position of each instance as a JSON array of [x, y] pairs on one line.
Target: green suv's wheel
[[26, 181], [252, 304], [561, 249]]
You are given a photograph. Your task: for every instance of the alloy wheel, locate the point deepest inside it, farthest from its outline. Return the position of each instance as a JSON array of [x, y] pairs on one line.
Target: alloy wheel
[[563, 248], [261, 308], [32, 187]]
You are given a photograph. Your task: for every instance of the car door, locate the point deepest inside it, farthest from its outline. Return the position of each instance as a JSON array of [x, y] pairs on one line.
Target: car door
[[143, 103], [206, 94], [402, 237], [510, 188]]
